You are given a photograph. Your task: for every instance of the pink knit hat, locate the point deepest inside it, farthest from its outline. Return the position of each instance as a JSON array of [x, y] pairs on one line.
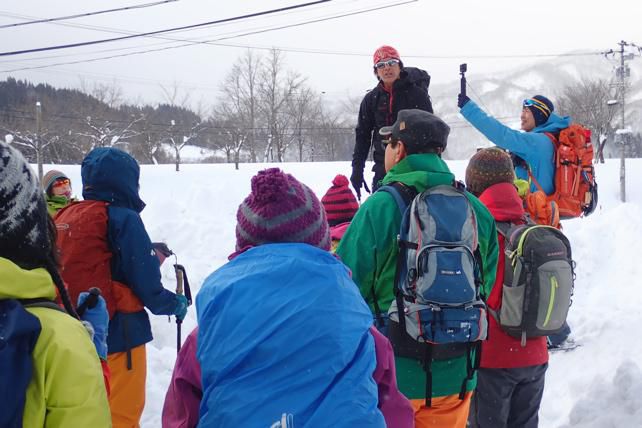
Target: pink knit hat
[[280, 209]]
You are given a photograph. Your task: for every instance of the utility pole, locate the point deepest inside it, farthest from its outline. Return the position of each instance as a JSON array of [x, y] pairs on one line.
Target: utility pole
[[622, 73], [38, 139]]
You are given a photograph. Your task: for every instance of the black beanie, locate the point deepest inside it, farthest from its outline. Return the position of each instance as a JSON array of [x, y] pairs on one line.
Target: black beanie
[[541, 107], [25, 236]]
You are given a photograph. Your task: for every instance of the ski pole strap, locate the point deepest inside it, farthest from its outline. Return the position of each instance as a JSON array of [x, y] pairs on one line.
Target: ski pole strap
[[428, 370], [186, 290]]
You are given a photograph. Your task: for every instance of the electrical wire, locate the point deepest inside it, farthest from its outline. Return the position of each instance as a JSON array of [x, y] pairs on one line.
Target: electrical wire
[[167, 30], [82, 15], [210, 41]]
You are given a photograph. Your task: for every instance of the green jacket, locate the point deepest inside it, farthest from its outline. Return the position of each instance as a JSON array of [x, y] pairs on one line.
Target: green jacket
[[369, 248], [67, 387], [56, 203]]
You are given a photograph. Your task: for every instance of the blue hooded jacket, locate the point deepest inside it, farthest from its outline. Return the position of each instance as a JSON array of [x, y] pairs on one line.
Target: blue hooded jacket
[[534, 147], [284, 336], [112, 175]]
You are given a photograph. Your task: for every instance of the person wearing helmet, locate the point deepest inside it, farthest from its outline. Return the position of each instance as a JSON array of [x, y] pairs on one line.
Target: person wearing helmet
[[369, 248], [398, 88]]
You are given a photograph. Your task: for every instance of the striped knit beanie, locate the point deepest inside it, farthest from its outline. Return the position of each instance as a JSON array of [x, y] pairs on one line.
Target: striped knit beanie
[[339, 202], [487, 167], [541, 107], [50, 178], [24, 228], [280, 209]]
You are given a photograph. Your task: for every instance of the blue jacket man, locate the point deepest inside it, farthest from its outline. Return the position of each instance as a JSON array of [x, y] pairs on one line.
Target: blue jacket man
[[105, 235], [533, 145]]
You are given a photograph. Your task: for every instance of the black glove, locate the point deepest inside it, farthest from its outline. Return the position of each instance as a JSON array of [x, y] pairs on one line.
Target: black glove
[[162, 248], [357, 180], [462, 99]]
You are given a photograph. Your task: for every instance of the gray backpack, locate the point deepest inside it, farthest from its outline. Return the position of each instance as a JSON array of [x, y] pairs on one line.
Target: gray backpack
[[538, 280], [437, 283]]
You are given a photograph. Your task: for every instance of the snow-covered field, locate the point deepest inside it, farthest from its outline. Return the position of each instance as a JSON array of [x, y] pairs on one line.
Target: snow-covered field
[[596, 385]]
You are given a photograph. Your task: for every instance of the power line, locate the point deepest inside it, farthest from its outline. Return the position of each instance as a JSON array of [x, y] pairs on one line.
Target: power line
[[214, 40], [82, 15], [168, 30]]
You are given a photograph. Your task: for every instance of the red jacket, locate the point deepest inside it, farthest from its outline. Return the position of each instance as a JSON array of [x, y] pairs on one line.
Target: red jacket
[[502, 350]]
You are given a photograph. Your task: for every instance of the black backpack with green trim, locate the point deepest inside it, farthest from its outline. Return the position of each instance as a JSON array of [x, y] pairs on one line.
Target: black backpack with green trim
[[538, 280]]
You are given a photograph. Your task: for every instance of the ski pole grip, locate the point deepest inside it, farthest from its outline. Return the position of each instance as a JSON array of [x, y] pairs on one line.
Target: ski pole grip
[[90, 302], [179, 279]]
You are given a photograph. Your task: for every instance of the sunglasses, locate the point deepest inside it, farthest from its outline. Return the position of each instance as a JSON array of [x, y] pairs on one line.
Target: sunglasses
[[390, 140], [389, 63], [62, 182]]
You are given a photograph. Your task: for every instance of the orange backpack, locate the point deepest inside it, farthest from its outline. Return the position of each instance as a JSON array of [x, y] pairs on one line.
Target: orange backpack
[[575, 192], [85, 256]]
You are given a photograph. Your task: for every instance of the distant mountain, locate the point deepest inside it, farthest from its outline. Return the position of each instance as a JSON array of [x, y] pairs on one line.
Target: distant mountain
[[502, 93]]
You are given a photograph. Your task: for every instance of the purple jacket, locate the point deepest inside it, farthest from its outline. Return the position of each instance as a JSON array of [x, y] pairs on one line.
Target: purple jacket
[[183, 397]]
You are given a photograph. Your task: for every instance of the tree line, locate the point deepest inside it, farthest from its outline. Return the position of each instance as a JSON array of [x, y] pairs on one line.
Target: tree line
[[265, 113]]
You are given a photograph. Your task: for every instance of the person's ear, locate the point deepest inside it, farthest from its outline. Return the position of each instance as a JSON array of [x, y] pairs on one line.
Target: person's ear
[[401, 153]]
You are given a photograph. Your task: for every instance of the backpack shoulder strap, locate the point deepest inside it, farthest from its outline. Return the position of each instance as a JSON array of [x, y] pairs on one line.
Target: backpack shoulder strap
[[402, 194], [41, 303], [503, 227]]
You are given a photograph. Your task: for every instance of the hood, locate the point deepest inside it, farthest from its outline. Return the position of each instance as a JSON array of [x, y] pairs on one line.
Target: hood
[[19, 283], [416, 76], [503, 202], [554, 124], [420, 171], [111, 175]]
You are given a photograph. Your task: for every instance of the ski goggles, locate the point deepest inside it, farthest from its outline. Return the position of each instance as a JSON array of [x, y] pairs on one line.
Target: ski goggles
[[389, 63], [532, 102], [61, 182]]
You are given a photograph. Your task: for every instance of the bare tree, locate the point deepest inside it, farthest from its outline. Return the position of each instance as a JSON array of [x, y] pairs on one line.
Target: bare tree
[[302, 108], [240, 104], [178, 139], [332, 139], [276, 89], [110, 94], [32, 141], [175, 96], [107, 133], [587, 103]]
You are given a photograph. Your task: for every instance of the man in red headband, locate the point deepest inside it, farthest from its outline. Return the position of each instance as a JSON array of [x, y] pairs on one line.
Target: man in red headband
[[399, 88]]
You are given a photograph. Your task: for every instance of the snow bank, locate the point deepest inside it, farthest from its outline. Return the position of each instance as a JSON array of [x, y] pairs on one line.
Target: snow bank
[[598, 384]]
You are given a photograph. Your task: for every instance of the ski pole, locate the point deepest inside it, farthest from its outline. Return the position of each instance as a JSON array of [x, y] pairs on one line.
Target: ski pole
[[90, 302], [182, 288]]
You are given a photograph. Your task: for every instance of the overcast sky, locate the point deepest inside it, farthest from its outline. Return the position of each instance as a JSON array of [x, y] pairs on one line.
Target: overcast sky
[[435, 35]]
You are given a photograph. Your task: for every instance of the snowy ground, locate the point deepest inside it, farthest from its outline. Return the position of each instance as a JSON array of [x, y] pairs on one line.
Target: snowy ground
[[597, 385]]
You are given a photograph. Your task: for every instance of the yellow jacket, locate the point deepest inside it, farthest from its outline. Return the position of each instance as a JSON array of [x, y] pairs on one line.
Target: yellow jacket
[[67, 387]]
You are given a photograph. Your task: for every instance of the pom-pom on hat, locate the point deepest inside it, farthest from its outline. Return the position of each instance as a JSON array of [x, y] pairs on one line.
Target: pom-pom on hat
[[487, 167], [339, 202], [280, 209]]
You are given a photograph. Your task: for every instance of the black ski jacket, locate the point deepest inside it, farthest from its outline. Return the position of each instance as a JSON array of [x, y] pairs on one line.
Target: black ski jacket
[[379, 108]]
